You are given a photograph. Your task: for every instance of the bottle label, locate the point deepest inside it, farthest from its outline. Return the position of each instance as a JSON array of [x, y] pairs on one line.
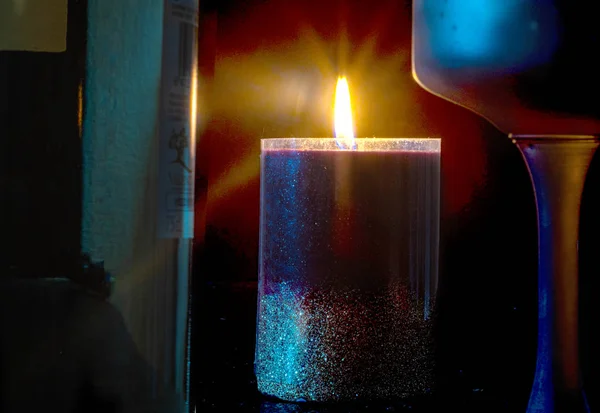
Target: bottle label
[[33, 25], [177, 138]]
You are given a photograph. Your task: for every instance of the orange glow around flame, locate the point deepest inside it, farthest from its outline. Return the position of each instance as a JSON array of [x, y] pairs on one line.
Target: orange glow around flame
[[344, 130]]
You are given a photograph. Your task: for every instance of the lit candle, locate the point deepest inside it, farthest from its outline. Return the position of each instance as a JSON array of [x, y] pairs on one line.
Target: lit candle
[[348, 264]]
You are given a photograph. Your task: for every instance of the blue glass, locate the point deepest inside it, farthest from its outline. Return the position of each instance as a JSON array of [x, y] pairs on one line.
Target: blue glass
[[526, 66]]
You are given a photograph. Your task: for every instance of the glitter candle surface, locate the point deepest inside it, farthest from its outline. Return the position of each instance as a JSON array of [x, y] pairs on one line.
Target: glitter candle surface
[[348, 268]]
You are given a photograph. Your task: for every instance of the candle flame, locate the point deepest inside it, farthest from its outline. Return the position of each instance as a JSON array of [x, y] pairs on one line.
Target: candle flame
[[344, 130]]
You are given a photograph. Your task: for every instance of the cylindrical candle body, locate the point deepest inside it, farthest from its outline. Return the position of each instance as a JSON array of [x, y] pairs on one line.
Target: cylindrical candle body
[[348, 268]]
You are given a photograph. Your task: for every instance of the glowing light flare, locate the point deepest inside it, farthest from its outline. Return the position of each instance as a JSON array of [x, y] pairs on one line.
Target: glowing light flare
[[344, 130], [238, 175], [345, 139]]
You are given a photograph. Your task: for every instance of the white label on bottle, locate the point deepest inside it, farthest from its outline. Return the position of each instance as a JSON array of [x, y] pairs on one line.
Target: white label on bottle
[[177, 138], [33, 25]]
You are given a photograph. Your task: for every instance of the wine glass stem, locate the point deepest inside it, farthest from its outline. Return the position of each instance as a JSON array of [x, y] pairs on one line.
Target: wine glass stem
[[558, 166]]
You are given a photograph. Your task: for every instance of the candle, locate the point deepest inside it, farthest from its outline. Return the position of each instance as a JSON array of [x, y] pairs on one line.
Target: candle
[[348, 265]]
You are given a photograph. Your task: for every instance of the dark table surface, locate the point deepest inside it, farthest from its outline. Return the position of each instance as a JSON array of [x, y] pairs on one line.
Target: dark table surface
[[223, 378]]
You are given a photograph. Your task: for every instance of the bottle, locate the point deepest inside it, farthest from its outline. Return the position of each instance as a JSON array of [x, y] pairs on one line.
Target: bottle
[[42, 82], [95, 278]]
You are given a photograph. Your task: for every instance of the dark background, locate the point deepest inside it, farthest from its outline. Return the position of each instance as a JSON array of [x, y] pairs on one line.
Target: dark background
[[269, 68], [275, 64]]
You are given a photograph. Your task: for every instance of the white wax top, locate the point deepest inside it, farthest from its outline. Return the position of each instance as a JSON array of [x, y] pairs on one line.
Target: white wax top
[[362, 144]]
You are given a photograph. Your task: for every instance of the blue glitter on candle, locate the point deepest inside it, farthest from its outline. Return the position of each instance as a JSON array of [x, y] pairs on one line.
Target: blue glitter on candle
[[347, 320]]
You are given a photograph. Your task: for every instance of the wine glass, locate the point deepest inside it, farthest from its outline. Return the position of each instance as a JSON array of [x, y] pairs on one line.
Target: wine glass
[[522, 64]]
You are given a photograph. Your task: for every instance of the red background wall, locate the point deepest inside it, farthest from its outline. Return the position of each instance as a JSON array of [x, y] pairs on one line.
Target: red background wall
[[275, 67]]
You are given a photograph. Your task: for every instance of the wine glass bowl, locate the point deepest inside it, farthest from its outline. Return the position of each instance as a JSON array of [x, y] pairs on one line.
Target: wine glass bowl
[[526, 66]]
